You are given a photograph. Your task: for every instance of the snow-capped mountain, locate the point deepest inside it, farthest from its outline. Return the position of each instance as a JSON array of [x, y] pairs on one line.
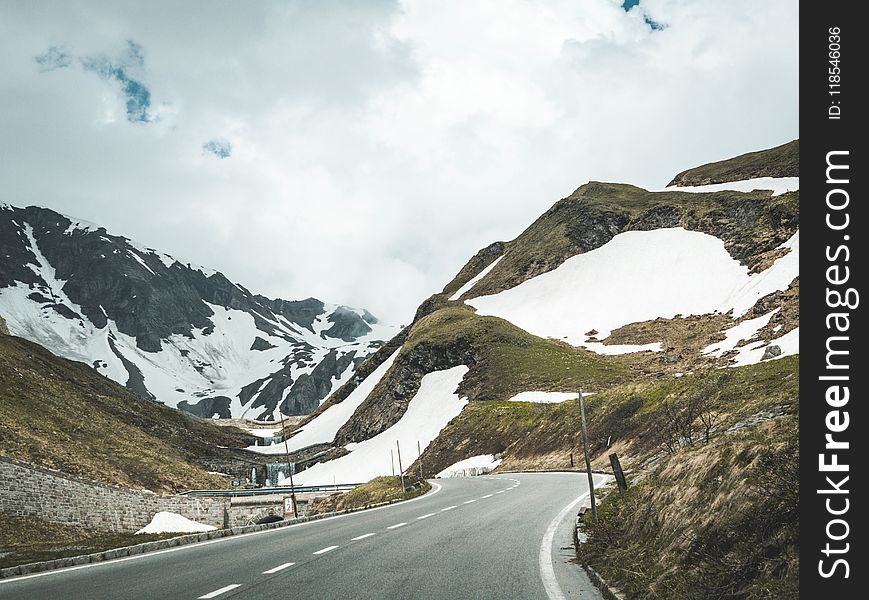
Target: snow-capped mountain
[[633, 294], [171, 331]]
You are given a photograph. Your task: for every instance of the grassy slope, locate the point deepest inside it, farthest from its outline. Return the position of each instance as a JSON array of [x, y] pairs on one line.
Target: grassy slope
[[509, 359], [781, 161], [713, 521], [49, 541], [60, 414], [376, 491], [629, 416]]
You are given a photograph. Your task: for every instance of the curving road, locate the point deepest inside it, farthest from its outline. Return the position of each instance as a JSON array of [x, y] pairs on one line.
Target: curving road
[[504, 536]]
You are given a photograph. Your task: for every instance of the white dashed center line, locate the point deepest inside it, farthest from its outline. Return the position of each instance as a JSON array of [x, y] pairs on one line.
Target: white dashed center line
[[397, 525], [222, 590], [425, 516], [325, 550], [501, 492], [362, 537], [469, 501], [449, 508], [487, 496], [278, 568]]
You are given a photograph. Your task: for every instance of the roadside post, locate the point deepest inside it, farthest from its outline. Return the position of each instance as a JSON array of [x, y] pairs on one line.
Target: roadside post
[[400, 469], [419, 457], [290, 466], [587, 460], [617, 471]]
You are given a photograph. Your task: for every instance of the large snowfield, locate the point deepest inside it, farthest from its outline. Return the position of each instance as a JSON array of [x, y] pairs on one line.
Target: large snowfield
[[638, 276], [434, 405]]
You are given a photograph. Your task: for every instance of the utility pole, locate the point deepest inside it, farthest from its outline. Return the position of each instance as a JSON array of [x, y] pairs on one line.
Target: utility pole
[[400, 469], [587, 460], [289, 464], [419, 457]]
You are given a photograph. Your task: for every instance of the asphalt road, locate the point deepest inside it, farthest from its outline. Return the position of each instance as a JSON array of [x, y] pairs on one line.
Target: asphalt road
[[504, 536]]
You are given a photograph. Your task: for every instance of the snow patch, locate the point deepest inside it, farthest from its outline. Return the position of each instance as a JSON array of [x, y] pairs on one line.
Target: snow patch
[[169, 522], [543, 397], [434, 405], [743, 331], [778, 185], [638, 276], [476, 278], [751, 354], [476, 465], [615, 349]]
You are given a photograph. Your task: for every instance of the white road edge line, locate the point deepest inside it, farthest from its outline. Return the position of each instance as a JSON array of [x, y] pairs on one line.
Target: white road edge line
[[397, 525], [362, 537], [222, 590], [425, 516], [278, 568], [547, 570], [437, 487], [325, 550], [449, 508]]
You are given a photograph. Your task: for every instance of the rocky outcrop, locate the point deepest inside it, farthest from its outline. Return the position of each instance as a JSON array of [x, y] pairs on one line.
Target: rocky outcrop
[[346, 325], [3, 329], [389, 399], [208, 408]]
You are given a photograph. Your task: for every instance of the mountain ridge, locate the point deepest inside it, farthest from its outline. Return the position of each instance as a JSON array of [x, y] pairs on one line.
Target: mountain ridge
[[163, 327]]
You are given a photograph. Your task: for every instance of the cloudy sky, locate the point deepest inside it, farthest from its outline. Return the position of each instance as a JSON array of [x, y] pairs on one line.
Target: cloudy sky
[[361, 152]]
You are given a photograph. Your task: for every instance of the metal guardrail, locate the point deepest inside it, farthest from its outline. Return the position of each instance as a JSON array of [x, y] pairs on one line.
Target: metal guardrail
[[340, 487]]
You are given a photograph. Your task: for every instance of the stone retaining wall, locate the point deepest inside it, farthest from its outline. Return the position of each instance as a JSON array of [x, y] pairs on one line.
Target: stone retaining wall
[[59, 498]]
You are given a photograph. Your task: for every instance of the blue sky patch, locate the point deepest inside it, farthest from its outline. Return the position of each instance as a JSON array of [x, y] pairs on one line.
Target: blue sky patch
[[136, 94], [629, 4], [218, 147], [56, 57]]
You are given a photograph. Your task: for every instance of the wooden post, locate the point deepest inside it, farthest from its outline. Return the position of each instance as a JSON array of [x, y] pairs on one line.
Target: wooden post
[[617, 471], [587, 460], [419, 458], [392, 461]]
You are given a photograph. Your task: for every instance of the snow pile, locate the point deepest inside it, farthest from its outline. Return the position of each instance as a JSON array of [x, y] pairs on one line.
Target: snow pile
[[322, 429], [434, 405], [474, 280], [743, 331], [789, 344], [169, 522], [543, 397], [263, 432], [778, 185], [614, 349], [637, 276], [470, 467]]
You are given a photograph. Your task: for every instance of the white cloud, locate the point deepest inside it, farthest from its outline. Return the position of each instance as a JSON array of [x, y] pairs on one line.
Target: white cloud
[[376, 146]]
